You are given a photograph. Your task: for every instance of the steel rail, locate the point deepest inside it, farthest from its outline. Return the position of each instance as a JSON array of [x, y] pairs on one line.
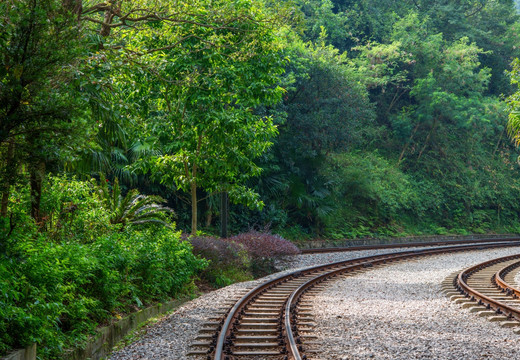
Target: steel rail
[[291, 303], [406, 245], [484, 299], [346, 265], [501, 282], [294, 298], [239, 305]]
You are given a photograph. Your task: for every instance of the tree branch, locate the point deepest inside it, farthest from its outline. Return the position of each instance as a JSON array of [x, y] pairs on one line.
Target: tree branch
[[477, 10], [96, 8]]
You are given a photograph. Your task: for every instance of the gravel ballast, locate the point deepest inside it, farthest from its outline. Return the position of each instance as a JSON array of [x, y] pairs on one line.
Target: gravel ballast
[[399, 312], [392, 312]]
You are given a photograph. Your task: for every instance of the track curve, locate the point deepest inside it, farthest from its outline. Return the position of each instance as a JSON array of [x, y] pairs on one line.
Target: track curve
[[265, 322], [485, 283]]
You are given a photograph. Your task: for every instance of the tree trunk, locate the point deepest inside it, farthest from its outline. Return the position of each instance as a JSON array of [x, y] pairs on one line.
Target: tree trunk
[[5, 201], [427, 139], [10, 167], [499, 140], [37, 174], [407, 144], [224, 215], [115, 9], [105, 28], [194, 189], [193, 207], [396, 98], [209, 218]]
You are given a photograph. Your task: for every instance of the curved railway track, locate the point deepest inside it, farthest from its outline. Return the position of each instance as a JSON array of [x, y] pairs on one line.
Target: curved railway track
[[273, 321], [490, 289]]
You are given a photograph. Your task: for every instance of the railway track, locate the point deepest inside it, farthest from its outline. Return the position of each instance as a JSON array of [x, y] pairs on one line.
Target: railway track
[[489, 289], [274, 321], [407, 245]]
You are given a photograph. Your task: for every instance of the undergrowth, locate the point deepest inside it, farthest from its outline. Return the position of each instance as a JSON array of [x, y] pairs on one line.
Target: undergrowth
[[241, 257]]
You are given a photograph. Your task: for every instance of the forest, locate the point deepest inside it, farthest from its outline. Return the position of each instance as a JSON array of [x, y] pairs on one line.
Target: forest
[[133, 132]]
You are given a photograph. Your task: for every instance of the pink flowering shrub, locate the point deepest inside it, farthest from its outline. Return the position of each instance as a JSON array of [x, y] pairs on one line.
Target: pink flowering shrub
[[263, 248], [219, 250], [229, 262], [265, 245]]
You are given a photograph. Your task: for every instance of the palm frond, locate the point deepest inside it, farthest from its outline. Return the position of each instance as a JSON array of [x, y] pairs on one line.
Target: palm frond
[[156, 221], [133, 208], [142, 149]]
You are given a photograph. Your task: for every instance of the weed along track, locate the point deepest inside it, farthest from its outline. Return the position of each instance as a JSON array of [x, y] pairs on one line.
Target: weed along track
[[487, 290], [275, 319]]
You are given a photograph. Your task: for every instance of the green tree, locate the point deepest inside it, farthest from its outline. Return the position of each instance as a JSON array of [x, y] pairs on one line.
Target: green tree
[[513, 101], [367, 191], [205, 94], [37, 44], [39, 108], [320, 16], [327, 110]]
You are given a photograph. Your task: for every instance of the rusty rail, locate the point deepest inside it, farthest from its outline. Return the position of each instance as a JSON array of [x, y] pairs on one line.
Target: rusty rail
[[483, 299], [500, 280]]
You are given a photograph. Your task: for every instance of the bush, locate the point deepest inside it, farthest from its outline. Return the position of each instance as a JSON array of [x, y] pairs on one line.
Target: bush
[[83, 210], [228, 262], [72, 209], [265, 245], [19, 225], [54, 294], [368, 193], [263, 249], [240, 257]]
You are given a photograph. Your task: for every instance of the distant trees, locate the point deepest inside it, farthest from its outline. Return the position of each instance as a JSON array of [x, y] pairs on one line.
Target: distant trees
[[514, 105], [419, 86], [327, 110]]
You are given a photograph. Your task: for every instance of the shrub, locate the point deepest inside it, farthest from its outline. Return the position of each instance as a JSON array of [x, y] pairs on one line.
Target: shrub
[[133, 208], [85, 210], [368, 192], [71, 209], [163, 264], [56, 293], [79, 267], [265, 245], [228, 262], [263, 249], [19, 225]]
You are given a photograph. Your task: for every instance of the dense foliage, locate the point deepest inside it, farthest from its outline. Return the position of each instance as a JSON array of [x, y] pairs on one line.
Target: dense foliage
[[56, 294], [82, 269], [228, 262], [317, 118], [393, 121]]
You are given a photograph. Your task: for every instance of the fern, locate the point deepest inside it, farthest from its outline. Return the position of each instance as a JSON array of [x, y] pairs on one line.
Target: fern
[[133, 208]]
